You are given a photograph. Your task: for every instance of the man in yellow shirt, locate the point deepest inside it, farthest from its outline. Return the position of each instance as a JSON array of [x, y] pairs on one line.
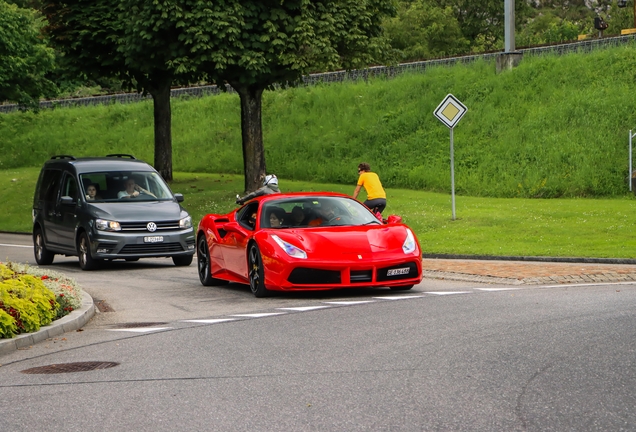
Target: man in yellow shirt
[[376, 197]]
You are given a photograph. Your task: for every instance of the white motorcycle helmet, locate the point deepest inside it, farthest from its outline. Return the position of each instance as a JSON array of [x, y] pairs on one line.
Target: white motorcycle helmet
[[270, 179]]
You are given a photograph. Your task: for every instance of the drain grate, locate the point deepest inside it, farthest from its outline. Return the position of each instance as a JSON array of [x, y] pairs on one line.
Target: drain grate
[[139, 324], [102, 306], [69, 367]]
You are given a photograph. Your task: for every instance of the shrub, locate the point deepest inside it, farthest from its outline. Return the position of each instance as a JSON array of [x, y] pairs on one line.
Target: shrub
[[31, 298]]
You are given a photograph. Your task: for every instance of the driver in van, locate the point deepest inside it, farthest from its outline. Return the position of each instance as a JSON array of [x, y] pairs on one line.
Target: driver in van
[[133, 190]]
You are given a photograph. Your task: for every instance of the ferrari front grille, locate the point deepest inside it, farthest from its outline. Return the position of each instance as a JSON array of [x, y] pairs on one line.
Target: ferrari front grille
[[309, 276], [361, 276]]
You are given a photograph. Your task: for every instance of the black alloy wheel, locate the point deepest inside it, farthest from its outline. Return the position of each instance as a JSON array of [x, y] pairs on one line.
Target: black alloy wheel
[[256, 272], [203, 264], [42, 255]]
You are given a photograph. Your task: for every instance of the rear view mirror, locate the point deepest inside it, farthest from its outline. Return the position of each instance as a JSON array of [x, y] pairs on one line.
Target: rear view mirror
[[179, 197], [67, 200], [394, 219]]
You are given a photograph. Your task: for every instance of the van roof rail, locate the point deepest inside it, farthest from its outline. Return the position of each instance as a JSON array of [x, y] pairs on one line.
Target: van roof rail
[[63, 157], [121, 155]]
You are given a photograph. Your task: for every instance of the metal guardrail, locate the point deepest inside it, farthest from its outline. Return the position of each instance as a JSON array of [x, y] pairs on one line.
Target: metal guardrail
[[340, 76]]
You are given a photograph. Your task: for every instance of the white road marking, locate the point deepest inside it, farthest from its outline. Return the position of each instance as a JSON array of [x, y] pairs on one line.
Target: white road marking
[[349, 302], [497, 289], [142, 330], [446, 292], [15, 245], [259, 315], [303, 308], [398, 298], [209, 321]]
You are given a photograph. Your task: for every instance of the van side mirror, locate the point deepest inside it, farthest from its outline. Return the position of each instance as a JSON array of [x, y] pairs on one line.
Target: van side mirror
[[179, 197], [67, 200]]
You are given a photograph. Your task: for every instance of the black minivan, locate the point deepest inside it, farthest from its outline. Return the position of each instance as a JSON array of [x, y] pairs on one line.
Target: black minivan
[[107, 208]]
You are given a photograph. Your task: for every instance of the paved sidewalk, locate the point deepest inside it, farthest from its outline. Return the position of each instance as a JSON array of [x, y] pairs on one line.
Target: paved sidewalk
[[526, 272]]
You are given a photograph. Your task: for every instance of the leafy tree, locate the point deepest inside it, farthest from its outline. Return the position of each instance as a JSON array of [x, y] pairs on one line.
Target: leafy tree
[[482, 22], [255, 44], [25, 59], [128, 40], [548, 28], [422, 30]]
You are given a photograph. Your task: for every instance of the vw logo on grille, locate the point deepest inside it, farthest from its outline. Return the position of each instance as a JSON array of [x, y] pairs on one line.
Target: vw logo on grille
[[152, 227]]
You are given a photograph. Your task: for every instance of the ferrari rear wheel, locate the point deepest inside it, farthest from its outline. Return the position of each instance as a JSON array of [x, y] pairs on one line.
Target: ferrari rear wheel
[[402, 288], [256, 272], [203, 265]]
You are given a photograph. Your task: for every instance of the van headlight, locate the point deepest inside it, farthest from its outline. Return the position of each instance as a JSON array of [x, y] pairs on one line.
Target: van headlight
[[107, 225], [186, 222], [290, 249], [409, 244]]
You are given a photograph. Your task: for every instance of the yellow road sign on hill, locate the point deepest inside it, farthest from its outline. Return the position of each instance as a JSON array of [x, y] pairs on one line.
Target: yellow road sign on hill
[[450, 111]]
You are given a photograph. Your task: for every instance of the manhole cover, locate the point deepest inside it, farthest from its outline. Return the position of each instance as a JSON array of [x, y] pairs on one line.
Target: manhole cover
[[69, 367], [139, 324]]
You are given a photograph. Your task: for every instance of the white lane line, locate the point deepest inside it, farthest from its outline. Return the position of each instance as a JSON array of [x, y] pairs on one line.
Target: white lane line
[[303, 308], [142, 330], [446, 292], [258, 315], [398, 298], [349, 302], [497, 289], [15, 245], [209, 321]]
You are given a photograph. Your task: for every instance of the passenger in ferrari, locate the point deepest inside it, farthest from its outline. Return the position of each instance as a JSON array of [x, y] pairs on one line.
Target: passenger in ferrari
[[270, 186]]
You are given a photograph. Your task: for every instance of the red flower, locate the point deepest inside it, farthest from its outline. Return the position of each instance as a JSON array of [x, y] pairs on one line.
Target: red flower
[[44, 277]]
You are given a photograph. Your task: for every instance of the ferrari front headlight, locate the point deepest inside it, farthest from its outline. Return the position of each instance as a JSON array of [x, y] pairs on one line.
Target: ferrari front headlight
[[409, 244], [290, 249]]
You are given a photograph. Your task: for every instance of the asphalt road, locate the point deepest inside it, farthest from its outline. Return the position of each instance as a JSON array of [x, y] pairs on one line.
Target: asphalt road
[[444, 356]]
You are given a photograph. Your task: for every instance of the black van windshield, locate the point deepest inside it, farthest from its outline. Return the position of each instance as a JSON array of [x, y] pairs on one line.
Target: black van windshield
[[124, 186]]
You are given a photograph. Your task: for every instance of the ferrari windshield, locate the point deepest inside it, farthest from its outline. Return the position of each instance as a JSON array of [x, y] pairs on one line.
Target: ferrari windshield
[[315, 211], [124, 186]]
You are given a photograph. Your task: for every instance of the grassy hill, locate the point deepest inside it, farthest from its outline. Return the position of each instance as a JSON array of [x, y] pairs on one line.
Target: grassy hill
[[556, 126]]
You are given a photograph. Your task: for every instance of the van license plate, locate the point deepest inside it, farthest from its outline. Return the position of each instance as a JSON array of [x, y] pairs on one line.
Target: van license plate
[[154, 239], [396, 272]]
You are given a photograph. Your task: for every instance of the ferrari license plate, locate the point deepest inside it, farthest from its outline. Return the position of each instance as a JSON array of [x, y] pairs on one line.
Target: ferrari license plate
[[153, 239], [399, 271]]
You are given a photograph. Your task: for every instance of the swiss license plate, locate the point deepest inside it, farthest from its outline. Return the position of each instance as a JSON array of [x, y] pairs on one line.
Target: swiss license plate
[[396, 272], [153, 239]]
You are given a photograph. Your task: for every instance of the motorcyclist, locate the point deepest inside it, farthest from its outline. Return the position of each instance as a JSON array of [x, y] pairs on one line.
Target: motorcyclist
[[270, 186]]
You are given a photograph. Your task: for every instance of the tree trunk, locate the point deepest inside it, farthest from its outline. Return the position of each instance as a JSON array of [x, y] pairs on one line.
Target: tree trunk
[[252, 134], [163, 128]]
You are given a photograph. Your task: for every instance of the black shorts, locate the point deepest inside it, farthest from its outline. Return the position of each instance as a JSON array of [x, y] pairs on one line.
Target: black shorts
[[379, 203]]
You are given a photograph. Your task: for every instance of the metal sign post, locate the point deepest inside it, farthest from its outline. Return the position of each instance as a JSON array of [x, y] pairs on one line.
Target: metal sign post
[[630, 157], [449, 112]]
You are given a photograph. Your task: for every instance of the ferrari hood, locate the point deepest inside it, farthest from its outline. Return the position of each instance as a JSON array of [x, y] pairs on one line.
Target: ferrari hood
[[345, 240]]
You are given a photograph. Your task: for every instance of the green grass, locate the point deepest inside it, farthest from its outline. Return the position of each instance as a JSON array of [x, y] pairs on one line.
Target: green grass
[[598, 228], [556, 126]]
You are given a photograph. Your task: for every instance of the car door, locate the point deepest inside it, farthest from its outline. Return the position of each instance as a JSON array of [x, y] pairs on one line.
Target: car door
[[49, 190], [235, 241], [66, 212]]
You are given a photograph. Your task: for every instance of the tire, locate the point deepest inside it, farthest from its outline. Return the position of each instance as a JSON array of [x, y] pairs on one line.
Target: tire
[[256, 272], [42, 255], [402, 288], [182, 260], [203, 265], [86, 260]]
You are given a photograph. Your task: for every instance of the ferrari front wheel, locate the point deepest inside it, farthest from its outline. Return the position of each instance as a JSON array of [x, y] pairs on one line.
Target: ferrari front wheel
[[256, 272], [204, 266]]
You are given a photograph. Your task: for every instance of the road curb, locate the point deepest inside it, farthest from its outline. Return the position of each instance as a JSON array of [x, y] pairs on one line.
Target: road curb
[[532, 258], [73, 321]]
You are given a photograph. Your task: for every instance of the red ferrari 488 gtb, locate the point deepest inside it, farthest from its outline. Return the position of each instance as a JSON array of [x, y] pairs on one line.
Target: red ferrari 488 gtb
[[306, 241]]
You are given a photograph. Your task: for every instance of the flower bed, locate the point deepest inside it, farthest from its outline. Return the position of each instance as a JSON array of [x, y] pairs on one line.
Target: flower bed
[[31, 297]]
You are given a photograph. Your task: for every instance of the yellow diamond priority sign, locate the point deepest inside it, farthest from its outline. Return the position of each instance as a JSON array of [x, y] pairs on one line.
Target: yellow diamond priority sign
[[450, 111]]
